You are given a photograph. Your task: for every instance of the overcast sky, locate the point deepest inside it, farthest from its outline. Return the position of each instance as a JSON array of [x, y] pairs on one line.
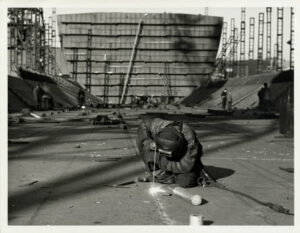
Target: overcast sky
[[226, 13]]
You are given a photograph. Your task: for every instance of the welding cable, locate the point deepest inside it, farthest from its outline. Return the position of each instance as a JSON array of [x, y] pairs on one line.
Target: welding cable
[[275, 207]]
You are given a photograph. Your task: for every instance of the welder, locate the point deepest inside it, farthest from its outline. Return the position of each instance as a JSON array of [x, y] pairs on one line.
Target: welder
[[171, 152]]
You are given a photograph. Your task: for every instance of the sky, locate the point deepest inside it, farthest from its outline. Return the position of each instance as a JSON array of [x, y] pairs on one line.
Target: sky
[[226, 13]]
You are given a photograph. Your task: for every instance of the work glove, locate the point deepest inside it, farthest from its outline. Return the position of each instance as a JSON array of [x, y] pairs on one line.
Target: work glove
[[149, 144]]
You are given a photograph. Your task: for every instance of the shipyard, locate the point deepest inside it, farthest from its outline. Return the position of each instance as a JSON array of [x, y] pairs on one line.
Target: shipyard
[[150, 117]]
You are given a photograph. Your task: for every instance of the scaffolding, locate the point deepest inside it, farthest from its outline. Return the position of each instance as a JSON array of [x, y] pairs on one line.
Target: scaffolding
[[224, 44], [260, 45], [235, 52], [292, 40], [106, 79], [26, 31], [206, 11], [88, 61], [74, 64], [50, 45], [53, 41], [251, 38], [269, 33], [279, 38], [47, 50], [242, 43], [275, 54], [232, 46]]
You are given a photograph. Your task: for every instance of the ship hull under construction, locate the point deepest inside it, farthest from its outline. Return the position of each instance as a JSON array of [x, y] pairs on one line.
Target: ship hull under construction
[[123, 56]]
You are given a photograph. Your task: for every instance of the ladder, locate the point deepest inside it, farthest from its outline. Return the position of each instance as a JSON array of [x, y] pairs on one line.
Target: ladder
[[138, 31]]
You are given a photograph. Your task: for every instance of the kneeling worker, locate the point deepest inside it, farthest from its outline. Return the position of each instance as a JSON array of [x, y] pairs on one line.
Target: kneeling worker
[[170, 151]]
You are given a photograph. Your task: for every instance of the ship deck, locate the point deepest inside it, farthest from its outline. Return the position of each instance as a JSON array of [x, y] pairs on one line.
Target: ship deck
[[67, 171]]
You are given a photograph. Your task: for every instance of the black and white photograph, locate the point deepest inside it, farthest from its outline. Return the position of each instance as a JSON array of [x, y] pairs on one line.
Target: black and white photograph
[[162, 114]]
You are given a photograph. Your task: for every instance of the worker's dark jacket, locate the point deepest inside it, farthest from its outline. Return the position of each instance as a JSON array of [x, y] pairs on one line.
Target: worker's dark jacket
[[37, 93], [81, 95], [189, 161]]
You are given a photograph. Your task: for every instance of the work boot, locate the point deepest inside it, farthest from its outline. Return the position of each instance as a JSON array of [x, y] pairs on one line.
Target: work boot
[[165, 178], [162, 177], [147, 178]]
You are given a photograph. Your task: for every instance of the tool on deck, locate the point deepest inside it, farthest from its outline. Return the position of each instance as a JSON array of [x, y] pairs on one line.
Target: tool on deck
[[195, 199], [196, 219]]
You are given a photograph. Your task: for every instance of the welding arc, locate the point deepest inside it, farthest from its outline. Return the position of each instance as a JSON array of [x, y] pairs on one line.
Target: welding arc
[[276, 207]]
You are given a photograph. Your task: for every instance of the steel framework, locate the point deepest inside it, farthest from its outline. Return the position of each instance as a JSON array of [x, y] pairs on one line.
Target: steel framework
[[292, 40], [269, 33], [206, 10], [74, 64], [26, 43], [88, 61], [235, 52], [224, 43], [251, 38], [260, 45], [53, 41], [279, 38], [232, 46], [242, 42]]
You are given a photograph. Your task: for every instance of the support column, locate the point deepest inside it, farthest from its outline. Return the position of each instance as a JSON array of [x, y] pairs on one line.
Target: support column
[[242, 41], [260, 45], [279, 38]]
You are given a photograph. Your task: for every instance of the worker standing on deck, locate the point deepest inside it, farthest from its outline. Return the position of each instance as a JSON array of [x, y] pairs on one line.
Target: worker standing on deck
[[37, 94], [81, 98], [224, 98], [267, 98], [170, 151], [264, 95], [229, 100], [260, 95]]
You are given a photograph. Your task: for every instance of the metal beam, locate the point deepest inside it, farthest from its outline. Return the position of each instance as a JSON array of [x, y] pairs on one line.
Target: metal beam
[[292, 40], [224, 44], [242, 41], [260, 45], [88, 61], [232, 47], [269, 33], [131, 60], [279, 38], [235, 52], [74, 62], [251, 38]]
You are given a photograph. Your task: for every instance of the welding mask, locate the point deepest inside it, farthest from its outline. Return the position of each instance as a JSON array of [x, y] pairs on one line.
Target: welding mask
[[169, 142]]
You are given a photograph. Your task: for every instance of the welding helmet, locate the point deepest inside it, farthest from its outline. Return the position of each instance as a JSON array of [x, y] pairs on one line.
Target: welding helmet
[[169, 139]]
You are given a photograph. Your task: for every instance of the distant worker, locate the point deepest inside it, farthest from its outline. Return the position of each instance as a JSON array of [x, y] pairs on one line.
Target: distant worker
[[81, 98], [224, 98], [229, 100], [260, 95], [267, 97], [45, 101], [264, 96], [37, 94], [170, 151]]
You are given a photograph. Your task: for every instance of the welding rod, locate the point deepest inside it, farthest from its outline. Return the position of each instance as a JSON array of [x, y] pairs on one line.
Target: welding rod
[[195, 199]]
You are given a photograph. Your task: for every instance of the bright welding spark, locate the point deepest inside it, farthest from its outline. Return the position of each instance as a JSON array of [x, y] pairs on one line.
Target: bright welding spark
[[154, 189]]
